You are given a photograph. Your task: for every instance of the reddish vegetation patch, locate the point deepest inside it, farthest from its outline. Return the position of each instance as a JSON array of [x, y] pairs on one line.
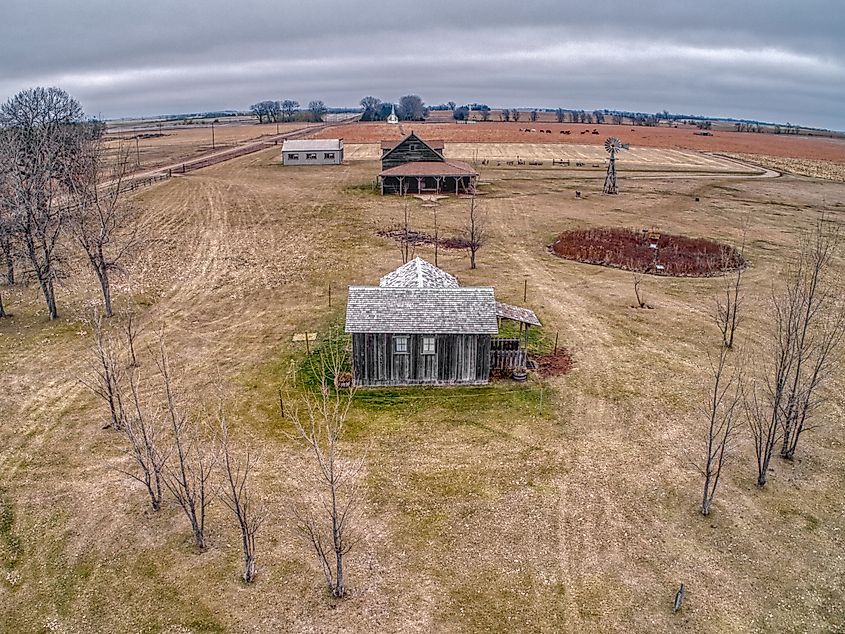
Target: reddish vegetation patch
[[418, 237], [682, 137], [633, 251], [554, 364]]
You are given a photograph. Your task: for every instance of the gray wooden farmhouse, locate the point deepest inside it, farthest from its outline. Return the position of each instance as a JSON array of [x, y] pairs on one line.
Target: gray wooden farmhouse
[[414, 166], [312, 152], [419, 326]]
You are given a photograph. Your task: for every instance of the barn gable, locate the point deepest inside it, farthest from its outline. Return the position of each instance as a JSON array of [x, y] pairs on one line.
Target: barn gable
[[410, 149]]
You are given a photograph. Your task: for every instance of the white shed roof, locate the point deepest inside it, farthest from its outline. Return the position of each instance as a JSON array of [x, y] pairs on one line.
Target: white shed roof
[[312, 145]]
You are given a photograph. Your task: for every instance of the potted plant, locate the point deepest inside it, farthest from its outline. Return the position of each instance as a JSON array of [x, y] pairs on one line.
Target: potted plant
[[519, 373]]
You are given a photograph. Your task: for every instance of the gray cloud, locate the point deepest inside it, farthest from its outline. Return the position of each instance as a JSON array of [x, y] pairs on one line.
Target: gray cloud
[[758, 59]]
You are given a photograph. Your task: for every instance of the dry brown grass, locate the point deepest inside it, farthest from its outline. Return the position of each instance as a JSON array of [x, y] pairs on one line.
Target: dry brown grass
[[179, 143], [828, 170], [564, 506]]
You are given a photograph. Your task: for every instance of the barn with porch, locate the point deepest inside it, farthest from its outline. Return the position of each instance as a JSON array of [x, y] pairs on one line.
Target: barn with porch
[[420, 327], [414, 166]]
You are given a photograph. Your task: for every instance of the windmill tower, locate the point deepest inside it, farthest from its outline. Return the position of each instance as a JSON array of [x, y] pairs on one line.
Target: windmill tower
[[612, 145]]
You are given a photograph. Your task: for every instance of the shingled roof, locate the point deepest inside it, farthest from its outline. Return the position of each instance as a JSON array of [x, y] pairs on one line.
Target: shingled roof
[[419, 298], [393, 309], [419, 274]]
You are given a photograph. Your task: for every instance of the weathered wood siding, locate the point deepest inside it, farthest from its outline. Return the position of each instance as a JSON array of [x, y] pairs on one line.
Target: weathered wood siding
[[458, 359], [411, 149]]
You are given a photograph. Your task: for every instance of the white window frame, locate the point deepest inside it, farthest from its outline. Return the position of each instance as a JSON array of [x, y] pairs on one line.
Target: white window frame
[[429, 345], [328, 156], [396, 346], [310, 156], [293, 157]]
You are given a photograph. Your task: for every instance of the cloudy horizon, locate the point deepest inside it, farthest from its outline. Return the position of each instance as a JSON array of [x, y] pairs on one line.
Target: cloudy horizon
[[748, 60]]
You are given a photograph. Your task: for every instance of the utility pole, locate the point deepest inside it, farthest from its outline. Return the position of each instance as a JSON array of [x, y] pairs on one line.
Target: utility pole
[[137, 152], [212, 135], [436, 235]]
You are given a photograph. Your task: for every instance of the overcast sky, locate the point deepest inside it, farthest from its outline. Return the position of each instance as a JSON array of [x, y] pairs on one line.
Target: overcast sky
[[761, 59]]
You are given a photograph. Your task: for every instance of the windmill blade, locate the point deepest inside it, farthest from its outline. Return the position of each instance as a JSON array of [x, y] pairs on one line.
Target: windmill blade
[[612, 144]]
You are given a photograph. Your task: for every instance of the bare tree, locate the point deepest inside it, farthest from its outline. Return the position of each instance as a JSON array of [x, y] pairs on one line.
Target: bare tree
[[288, 107], [724, 402], [533, 115], [239, 498], [103, 224], [818, 328], [411, 108], [515, 114], [727, 312], [147, 447], [641, 303], [505, 115], [188, 474], [131, 329], [320, 421], [407, 243], [317, 109], [106, 374], [7, 238], [809, 324], [39, 149], [475, 231]]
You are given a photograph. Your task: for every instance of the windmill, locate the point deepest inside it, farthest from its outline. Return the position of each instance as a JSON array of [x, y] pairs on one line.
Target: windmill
[[612, 145]]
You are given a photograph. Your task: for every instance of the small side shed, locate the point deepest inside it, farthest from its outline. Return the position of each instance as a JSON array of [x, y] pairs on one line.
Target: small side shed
[[312, 152]]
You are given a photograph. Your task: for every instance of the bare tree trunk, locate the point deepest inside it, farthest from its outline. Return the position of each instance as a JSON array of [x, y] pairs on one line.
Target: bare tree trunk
[[10, 267], [237, 496], [722, 406], [320, 422], [143, 433], [189, 480], [105, 286], [727, 314], [2, 309], [107, 375], [475, 231]]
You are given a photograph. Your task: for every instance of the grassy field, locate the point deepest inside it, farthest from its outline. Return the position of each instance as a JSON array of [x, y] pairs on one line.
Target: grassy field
[[567, 505]]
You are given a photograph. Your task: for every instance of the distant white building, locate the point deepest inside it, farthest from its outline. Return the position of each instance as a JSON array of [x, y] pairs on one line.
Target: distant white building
[[392, 118], [312, 152]]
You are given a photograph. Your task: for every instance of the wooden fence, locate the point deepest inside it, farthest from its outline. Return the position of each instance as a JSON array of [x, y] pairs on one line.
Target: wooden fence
[[506, 354], [508, 359]]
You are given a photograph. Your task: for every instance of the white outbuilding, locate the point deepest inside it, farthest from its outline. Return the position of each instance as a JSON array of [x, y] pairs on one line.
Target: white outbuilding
[[312, 152]]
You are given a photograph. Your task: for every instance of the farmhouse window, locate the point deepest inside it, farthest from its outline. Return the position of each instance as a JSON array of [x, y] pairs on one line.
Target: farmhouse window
[[293, 157], [400, 345], [428, 345], [311, 157], [413, 146], [329, 156]]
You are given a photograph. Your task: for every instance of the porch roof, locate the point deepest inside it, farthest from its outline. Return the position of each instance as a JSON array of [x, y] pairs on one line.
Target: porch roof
[[431, 168], [517, 313]]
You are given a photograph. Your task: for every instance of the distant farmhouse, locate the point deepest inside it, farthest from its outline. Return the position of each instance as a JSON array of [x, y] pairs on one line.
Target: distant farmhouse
[[420, 327], [312, 152], [414, 166]]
